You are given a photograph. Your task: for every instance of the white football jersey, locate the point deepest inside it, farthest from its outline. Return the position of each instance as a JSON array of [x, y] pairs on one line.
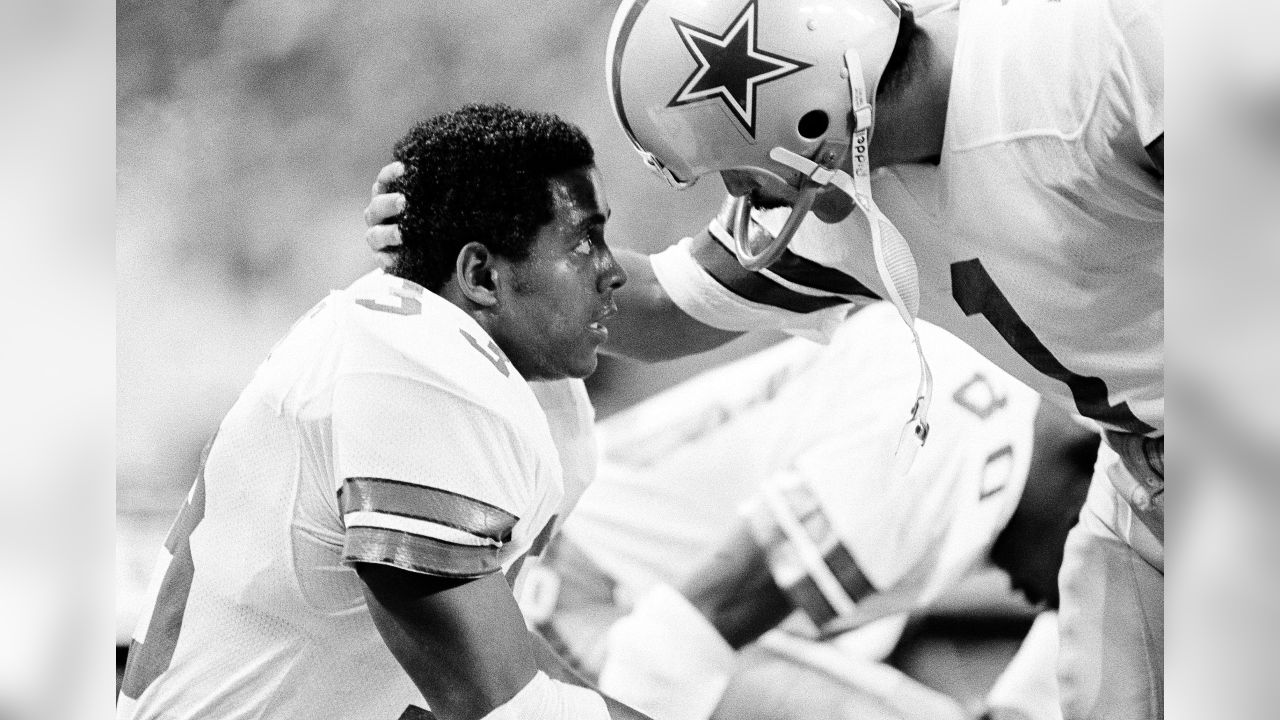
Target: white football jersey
[[1038, 236], [386, 427], [822, 421]]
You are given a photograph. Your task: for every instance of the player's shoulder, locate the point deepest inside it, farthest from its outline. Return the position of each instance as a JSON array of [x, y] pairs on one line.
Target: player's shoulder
[[395, 327], [1067, 53]]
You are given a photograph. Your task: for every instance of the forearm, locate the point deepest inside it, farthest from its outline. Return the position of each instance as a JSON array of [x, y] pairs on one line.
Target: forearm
[[649, 326], [672, 656], [735, 591], [427, 623]]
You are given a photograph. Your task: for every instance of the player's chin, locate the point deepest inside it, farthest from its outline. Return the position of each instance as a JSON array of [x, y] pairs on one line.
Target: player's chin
[[583, 362]]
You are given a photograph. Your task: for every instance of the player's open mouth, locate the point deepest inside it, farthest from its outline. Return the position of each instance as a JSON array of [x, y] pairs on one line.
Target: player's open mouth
[[598, 326]]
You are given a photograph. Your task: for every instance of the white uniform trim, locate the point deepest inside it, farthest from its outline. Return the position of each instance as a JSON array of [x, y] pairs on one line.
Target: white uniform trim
[[387, 521]]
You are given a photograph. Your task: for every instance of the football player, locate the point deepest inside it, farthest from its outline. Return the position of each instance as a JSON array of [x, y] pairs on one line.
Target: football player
[[1011, 192], [796, 437], [350, 546]]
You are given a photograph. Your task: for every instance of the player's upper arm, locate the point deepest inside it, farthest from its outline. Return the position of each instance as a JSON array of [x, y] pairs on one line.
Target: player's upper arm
[[463, 642], [428, 481]]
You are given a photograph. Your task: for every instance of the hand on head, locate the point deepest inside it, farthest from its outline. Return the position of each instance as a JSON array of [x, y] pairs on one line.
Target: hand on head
[[383, 235]]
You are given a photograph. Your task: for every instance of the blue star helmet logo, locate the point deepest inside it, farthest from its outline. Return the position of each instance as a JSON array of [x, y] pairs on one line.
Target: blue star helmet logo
[[731, 66]]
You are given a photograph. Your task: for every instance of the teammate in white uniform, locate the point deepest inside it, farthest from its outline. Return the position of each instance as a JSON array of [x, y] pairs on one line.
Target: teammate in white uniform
[[349, 547], [1020, 146], [795, 435], [1035, 213]]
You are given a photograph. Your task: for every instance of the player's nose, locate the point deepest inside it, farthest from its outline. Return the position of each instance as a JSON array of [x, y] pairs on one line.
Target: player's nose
[[611, 273]]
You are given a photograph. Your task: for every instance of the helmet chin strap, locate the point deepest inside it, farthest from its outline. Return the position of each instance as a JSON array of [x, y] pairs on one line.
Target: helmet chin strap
[[894, 261]]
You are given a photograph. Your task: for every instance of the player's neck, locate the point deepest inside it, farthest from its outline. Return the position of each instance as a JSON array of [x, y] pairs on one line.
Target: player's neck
[[910, 126]]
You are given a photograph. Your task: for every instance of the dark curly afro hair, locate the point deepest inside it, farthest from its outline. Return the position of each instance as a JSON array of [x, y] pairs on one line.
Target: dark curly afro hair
[[479, 174]]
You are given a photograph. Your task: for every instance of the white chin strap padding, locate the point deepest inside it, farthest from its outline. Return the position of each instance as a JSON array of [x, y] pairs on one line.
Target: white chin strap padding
[[894, 261]]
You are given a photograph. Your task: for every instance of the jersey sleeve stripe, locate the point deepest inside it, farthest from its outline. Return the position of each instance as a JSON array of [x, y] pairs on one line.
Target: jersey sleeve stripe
[[419, 554], [142, 668], [413, 526], [845, 568], [432, 505], [722, 266], [805, 595], [813, 518]]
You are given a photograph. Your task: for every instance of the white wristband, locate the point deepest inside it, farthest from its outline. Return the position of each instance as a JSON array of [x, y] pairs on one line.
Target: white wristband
[[546, 699], [666, 660], [704, 299]]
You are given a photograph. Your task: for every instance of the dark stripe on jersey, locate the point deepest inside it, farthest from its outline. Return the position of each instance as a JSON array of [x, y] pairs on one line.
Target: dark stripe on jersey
[[724, 267], [192, 511], [149, 659], [845, 568], [419, 554], [803, 271], [395, 497], [805, 595]]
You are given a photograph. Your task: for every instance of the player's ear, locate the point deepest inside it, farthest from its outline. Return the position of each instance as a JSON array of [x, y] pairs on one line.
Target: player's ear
[[475, 273]]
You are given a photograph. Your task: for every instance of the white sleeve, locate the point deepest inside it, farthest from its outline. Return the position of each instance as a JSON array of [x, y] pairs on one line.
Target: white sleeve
[[746, 301], [1142, 31], [428, 481]]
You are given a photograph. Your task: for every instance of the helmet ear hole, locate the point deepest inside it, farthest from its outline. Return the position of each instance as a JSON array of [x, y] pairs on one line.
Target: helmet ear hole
[[813, 125]]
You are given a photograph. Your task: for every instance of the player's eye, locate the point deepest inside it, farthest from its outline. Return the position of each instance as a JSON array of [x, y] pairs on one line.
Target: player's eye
[[583, 247]]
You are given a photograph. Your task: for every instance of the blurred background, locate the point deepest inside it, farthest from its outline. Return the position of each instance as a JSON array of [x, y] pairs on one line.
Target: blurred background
[[221, 152]]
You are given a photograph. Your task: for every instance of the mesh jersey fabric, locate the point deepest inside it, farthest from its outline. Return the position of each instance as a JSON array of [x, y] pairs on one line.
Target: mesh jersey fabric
[[1038, 236], [385, 427]]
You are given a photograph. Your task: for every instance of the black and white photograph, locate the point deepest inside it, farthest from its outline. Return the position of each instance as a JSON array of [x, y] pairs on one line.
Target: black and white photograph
[[641, 359]]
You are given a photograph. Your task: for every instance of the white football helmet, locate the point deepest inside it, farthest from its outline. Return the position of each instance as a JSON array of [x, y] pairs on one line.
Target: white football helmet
[[780, 90], [704, 86]]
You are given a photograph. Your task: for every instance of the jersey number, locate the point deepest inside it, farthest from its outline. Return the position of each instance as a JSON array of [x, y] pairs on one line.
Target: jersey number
[[151, 657], [493, 353], [976, 293], [979, 397], [404, 300]]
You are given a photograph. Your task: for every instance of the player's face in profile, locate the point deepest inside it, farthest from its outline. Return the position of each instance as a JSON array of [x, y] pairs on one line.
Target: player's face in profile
[[562, 293]]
